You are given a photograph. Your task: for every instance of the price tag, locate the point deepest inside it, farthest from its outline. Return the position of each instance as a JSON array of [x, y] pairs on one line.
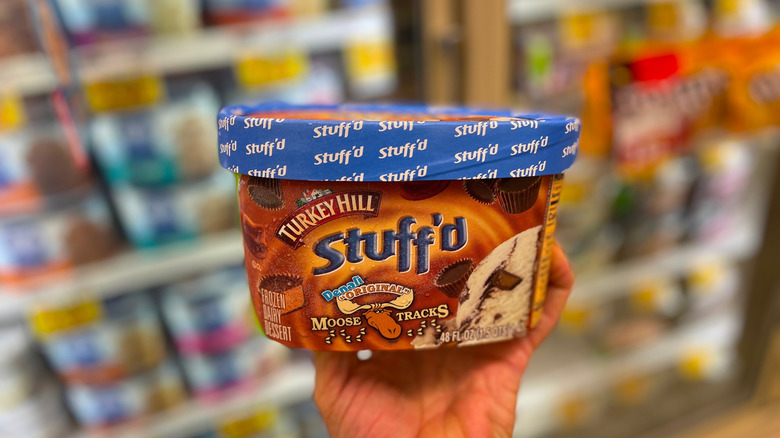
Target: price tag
[[47, 322], [573, 412], [662, 297], [249, 426], [631, 391], [576, 319], [12, 114], [728, 9], [663, 16], [117, 94], [645, 298], [261, 71], [578, 29], [695, 365], [705, 278], [372, 58]]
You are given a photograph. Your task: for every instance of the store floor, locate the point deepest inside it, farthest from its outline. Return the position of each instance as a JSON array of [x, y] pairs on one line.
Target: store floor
[[755, 422]]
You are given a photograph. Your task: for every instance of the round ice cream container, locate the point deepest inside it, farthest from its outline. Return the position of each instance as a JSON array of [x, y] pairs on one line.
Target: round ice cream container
[[396, 227]]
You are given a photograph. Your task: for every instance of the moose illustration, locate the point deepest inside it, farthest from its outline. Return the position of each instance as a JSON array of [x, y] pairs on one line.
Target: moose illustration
[[378, 315], [382, 320]]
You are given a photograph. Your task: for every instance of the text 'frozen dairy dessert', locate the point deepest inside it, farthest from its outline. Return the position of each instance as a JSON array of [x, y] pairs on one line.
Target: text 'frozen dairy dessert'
[[392, 228]]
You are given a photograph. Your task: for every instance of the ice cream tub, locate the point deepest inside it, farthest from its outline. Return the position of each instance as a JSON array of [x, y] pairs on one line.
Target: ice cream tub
[[396, 227]]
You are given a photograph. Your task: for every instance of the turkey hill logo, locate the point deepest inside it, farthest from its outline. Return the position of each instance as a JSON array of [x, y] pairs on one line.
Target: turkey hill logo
[[320, 206], [377, 315]]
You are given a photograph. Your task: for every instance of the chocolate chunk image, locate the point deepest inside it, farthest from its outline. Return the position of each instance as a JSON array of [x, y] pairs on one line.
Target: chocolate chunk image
[[452, 279], [265, 192], [503, 279], [516, 195], [481, 190]]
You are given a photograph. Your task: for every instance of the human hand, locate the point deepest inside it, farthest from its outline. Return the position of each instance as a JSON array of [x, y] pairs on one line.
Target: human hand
[[445, 392]]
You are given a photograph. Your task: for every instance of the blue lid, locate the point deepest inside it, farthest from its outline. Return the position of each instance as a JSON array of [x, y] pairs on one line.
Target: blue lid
[[392, 143]]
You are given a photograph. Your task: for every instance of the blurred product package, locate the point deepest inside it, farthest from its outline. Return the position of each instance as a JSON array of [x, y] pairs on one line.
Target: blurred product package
[[53, 240], [318, 80], [301, 420], [210, 313], [97, 407], [53, 216], [167, 143], [98, 343], [111, 356], [92, 21], [160, 168], [241, 368], [35, 163], [17, 31], [216, 334], [95, 21], [30, 403], [226, 12], [160, 215], [650, 309]]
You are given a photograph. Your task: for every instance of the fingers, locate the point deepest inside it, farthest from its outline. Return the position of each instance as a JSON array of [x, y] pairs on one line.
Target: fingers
[[558, 291]]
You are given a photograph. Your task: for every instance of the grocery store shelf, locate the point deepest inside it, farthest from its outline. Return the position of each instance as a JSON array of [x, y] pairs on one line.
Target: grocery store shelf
[[208, 48], [288, 386], [127, 272], [549, 377], [222, 46], [554, 375], [527, 11], [26, 74], [622, 278]]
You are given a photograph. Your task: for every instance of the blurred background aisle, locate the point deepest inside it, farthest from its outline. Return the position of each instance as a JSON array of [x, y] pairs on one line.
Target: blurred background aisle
[[124, 310]]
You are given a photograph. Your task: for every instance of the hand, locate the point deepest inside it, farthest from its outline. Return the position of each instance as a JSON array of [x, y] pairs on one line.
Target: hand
[[446, 392]]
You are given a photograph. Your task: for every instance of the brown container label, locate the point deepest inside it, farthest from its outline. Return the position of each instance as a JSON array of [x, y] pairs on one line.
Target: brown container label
[[387, 266]]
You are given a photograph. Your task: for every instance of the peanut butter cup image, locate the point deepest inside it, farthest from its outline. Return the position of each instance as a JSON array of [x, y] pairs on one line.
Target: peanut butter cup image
[[419, 190], [517, 195], [286, 292], [452, 279], [481, 190], [265, 192]]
